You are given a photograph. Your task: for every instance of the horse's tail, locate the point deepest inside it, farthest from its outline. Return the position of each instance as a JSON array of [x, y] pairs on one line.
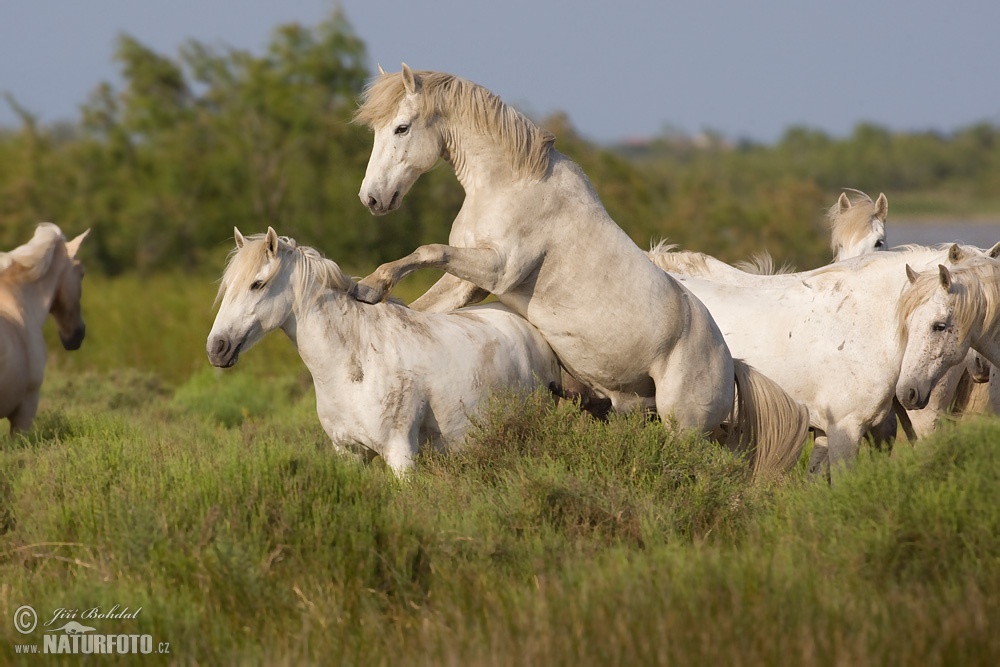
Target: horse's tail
[[770, 426]]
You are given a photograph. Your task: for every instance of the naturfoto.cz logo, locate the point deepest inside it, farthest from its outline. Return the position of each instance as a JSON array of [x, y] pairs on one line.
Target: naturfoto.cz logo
[[68, 635]]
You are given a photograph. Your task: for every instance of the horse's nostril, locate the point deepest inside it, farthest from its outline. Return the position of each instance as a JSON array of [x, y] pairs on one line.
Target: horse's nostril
[[372, 202], [220, 345], [912, 396]]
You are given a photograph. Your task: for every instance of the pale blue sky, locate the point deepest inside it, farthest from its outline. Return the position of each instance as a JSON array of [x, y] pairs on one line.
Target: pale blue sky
[[619, 69]]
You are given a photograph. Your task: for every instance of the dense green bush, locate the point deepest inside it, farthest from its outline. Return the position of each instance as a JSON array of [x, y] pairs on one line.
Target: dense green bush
[[164, 167]]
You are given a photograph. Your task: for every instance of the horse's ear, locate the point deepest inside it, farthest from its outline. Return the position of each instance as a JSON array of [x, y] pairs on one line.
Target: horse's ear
[[955, 254], [945, 276], [73, 247], [881, 207], [409, 81], [844, 202], [994, 252], [238, 237], [271, 240], [911, 275], [380, 70]]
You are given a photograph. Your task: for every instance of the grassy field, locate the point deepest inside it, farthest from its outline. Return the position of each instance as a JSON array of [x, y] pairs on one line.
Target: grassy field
[[213, 501]]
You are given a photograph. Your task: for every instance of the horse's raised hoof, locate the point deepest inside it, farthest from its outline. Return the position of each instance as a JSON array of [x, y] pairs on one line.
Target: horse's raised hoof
[[366, 294]]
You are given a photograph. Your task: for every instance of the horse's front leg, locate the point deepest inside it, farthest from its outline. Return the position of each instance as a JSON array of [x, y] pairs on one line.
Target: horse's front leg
[[447, 294], [24, 414], [483, 267]]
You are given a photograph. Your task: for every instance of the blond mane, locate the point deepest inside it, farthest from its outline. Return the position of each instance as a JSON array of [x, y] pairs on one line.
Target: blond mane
[[976, 289], [466, 104], [313, 271], [853, 224], [762, 264], [34, 257], [688, 262]]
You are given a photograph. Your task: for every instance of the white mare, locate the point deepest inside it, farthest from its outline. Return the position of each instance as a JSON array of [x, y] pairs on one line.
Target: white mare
[[830, 338], [40, 278], [533, 231], [924, 420], [388, 379]]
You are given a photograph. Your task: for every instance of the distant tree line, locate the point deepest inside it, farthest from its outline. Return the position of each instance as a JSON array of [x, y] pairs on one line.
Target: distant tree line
[[163, 168]]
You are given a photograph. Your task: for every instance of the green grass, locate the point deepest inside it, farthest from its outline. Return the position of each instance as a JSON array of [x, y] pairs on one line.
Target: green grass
[[213, 501]]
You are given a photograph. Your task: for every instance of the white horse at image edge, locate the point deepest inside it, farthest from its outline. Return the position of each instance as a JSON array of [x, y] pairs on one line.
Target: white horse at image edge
[[388, 379], [39, 278], [833, 337]]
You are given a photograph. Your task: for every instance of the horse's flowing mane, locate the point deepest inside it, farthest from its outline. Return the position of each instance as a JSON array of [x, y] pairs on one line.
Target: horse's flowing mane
[[668, 257], [762, 264], [35, 256], [976, 287], [852, 224], [463, 103], [314, 272]]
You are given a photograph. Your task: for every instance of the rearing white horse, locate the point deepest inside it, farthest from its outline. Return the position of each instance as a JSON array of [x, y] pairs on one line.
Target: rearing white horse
[[533, 231]]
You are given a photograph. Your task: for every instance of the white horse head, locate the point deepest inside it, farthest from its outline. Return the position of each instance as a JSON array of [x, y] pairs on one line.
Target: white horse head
[[50, 262], [259, 289], [857, 225], [939, 314], [405, 110]]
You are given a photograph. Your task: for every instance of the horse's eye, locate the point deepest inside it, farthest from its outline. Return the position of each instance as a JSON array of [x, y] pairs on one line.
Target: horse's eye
[[402, 129], [879, 243], [939, 326], [257, 285]]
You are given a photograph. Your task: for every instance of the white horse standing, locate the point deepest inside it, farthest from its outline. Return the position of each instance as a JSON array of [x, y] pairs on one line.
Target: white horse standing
[[830, 336], [533, 232], [39, 278], [922, 421], [388, 379]]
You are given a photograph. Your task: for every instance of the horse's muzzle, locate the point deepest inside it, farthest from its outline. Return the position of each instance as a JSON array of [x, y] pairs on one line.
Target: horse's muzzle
[[378, 206], [222, 353], [75, 339], [914, 400]]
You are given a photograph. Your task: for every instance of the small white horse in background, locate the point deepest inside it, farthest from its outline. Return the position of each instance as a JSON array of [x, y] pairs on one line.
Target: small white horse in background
[[857, 224], [533, 231], [388, 379], [39, 278], [857, 227]]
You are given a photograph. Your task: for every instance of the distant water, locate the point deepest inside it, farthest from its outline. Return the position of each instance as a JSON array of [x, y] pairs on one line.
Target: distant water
[[982, 234]]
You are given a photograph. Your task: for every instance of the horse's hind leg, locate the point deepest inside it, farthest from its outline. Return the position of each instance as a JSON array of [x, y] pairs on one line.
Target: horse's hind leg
[[819, 462], [698, 398]]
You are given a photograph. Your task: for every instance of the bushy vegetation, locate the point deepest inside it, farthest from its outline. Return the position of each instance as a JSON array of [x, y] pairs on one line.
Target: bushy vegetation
[[191, 145], [552, 539]]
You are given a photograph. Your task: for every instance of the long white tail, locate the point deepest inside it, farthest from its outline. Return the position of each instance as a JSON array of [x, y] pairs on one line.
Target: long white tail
[[770, 426]]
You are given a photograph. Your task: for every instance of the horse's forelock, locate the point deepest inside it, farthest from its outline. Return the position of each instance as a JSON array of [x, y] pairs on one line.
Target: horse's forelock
[[976, 293], [852, 224], [315, 270]]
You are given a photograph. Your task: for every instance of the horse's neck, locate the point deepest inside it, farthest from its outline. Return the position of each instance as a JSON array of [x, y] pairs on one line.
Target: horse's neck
[[988, 342], [479, 161], [328, 331], [29, 302]]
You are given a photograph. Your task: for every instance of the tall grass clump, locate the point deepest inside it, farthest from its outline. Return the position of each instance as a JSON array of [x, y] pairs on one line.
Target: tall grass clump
[[550, 539]]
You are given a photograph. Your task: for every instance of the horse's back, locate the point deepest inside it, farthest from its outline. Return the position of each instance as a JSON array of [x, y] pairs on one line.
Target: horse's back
[[511, 344]]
